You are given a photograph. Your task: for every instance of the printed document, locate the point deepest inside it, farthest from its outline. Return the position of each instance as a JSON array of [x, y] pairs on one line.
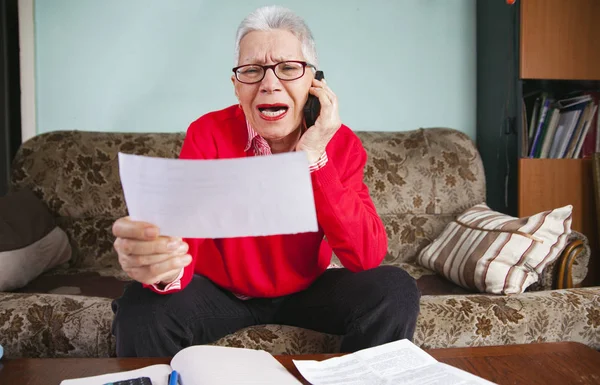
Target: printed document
[[399, 362], [220, 198]]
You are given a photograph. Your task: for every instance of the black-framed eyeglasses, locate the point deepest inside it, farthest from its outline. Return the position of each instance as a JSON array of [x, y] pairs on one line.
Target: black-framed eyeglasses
[[285, 70]]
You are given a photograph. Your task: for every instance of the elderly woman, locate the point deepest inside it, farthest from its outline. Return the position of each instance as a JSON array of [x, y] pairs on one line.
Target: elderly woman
[[195, 291]]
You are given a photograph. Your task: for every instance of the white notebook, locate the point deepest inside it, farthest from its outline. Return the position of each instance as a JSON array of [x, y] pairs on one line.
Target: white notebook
[[207, 365]]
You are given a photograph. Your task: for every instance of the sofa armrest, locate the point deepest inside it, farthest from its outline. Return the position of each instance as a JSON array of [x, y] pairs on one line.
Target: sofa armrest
[[564, 273], [569, 269]]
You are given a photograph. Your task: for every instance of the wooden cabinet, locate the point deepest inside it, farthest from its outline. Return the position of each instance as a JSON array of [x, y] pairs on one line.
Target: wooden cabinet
[[545, 184], [560, 39]]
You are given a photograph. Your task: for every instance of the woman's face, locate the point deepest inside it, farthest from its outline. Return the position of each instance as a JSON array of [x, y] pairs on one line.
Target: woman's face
[[270, 47]]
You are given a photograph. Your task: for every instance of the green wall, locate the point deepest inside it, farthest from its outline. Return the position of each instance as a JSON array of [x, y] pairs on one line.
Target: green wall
[[156, 65]]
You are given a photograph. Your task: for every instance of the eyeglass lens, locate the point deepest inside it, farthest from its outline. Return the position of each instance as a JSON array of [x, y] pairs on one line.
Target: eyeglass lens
[[284, 71]]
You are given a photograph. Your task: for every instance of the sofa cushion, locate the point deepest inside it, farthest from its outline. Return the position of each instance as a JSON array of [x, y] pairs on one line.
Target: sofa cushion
[[30, 241], [46, 325], [492, 252], [52, 325]]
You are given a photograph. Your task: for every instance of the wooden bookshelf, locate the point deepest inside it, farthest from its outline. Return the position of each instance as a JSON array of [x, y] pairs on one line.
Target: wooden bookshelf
[[560, 39], [524, 50], [559, 46]]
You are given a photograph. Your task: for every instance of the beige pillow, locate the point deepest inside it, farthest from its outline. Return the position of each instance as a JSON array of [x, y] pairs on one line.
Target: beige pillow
[[30, 241], [21, 266], [491, 252]]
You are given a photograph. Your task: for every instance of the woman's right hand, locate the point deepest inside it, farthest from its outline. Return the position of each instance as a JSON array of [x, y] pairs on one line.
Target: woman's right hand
[[146, 256]]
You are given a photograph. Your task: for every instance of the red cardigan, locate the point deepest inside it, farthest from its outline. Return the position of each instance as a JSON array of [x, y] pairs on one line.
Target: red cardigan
[[272, 266]]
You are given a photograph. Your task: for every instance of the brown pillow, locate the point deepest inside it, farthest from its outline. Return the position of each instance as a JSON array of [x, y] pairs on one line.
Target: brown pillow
[[491, 252], [30, 241]]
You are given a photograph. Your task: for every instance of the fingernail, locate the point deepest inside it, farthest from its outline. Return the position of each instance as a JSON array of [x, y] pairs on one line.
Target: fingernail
[[183, 247], [173, 245], [151, 232], [185, 260]]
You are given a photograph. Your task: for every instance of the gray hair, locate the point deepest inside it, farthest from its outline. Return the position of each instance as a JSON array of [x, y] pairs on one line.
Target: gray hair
[[275, 17]]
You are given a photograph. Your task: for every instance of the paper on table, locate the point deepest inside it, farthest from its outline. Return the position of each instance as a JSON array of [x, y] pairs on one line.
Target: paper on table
[[221, 198], [399, 362]]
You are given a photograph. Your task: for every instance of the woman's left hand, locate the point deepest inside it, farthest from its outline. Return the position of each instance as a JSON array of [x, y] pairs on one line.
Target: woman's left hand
[[315, 139]]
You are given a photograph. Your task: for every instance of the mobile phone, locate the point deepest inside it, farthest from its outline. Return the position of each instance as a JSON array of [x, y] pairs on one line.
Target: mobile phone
[[312, 108], [133, 381]]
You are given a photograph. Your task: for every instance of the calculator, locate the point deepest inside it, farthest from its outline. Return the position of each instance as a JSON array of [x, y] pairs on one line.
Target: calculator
[[133, 381]]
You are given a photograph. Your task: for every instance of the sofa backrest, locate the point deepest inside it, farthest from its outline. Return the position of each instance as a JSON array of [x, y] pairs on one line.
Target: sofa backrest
[[419, 181]]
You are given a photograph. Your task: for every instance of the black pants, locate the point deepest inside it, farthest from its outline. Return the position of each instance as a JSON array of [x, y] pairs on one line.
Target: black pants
[[367, 308]]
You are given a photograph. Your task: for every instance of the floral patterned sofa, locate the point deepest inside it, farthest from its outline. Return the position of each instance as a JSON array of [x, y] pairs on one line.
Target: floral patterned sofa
[[419, 180]]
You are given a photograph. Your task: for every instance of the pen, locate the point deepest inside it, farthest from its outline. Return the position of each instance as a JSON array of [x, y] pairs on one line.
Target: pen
[[174, 378]]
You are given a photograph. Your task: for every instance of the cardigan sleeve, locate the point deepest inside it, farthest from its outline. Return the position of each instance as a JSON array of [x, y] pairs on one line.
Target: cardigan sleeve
[[346, 212]]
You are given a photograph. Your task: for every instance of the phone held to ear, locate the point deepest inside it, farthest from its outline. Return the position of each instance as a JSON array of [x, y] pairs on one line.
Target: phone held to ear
[[312, 106]]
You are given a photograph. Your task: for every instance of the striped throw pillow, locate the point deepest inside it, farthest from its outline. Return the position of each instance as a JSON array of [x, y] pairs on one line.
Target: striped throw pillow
[[487, 251]]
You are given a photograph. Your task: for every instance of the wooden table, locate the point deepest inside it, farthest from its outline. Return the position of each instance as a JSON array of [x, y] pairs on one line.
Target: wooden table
[[548, 363]]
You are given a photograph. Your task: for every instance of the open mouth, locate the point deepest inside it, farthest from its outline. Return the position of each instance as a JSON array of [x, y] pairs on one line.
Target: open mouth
[[272, 111]]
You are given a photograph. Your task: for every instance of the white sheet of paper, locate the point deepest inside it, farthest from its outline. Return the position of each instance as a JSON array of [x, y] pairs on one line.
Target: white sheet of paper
[[222, 198], [399, 362]]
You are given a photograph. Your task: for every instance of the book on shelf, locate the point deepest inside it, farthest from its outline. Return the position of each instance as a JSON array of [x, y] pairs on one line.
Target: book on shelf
[[539, 124], [398, 362], [565, 128], [591, 143]]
